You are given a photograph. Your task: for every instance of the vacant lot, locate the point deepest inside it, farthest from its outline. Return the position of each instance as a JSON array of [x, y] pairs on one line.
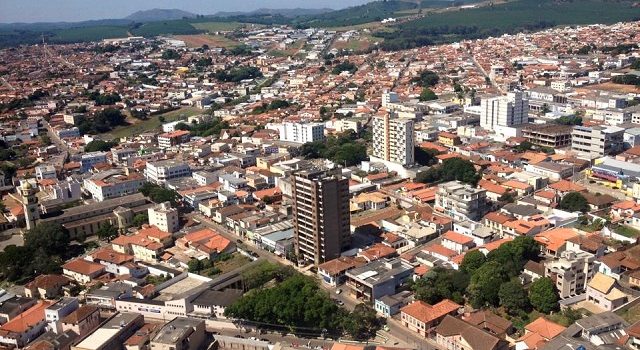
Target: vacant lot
[[153, 123], [218, 26]]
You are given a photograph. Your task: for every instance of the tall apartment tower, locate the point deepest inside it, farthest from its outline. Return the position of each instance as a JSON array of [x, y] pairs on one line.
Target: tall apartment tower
[[321, 219], [393, 139], [30, 204], [506, 111]]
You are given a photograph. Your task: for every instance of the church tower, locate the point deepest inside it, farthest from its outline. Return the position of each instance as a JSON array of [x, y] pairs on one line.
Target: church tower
[[29, 203]]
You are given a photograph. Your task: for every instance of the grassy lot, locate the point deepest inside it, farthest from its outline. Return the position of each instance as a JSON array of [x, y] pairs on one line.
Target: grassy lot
[[207, 39], [632, 315], [95, 33], [627, 231], [218, 26], [165, 27], [152, 123], [236, 261]]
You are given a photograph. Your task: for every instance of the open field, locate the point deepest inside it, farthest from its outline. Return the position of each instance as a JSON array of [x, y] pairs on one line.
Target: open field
[[358, 44], [613, 87], [218, 26], [95, 33], [177, 27], [198, 40], [235, 262], [152, 123], [632, 315]]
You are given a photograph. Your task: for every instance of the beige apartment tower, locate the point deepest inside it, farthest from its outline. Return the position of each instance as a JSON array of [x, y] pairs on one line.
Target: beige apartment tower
[[321, 219]]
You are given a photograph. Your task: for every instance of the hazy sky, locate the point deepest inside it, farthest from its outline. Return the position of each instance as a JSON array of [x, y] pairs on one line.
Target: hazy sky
[[80, 10]]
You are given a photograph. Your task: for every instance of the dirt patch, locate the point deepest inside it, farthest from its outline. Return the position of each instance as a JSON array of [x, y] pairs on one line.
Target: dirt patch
[[206, 39]]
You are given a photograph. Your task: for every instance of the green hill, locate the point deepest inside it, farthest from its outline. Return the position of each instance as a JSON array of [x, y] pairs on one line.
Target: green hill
[[370, 12], [511, 17]]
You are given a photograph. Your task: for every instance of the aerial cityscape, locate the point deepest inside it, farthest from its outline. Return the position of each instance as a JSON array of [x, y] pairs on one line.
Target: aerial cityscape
[[364, 175]]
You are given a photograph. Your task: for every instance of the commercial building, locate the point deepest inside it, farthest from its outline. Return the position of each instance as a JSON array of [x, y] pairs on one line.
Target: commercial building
[[112, 184], [113, 333], [393, 139], [162, 171], [180, 334], [548, 135], [461, 201], [377, 278], [504, 111], [597, 141], [321, 218], [89, 160], [164, 217]]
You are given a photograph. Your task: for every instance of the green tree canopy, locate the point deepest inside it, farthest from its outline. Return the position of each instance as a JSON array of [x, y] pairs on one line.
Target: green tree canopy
[[574, 201], [451, 169], [513, 297], [426, 78], [483, 288], [99, 145], [107, 232], [439, 284], [543, 295], [427, 95], [472, 261]]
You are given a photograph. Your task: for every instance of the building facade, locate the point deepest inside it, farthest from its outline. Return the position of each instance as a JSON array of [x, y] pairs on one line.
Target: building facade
[[461, 201], [162, 171], [321, 218], [393, 139], [507, 111], [597, 141], [164, 217]]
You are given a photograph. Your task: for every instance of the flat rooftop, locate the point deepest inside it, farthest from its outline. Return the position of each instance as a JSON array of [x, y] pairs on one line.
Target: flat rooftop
[[183, 287], [173, 331]]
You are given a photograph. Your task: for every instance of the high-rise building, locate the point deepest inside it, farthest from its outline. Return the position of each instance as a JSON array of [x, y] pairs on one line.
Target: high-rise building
[[461, 201], [299, 132], [597, 141], [320, 214], [506, 111], [393, 139]]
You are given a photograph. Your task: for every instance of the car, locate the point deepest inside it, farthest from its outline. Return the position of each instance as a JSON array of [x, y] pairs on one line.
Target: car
[[338, 291], [386, 328], [238, 241], [238, 336], [340, 302]]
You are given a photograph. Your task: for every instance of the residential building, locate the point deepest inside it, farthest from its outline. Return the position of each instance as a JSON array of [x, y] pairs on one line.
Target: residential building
[[113, 183], [571, 272], [597, 141], [548, 135], [161, 171], [206, 242], [82, 271], [89, 160], [27, 326], [377, 278], [299, 132], [82, 321], [455, 334], [461, 201], [320, 214], [504, 111], [393, 139], [421, 317], [164, 217], [46, 172], [605, 292], [46, 286], [180, 334], [390, 305], [170, 139], [58, 310]]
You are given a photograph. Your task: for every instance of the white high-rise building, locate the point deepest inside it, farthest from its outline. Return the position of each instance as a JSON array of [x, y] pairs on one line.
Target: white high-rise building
[[299, 132], [504, 111], [161, 171], [164, 217], [389, 97], [393, 139]]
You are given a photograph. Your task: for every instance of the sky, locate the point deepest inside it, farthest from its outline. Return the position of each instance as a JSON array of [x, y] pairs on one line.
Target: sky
[[81, 10]]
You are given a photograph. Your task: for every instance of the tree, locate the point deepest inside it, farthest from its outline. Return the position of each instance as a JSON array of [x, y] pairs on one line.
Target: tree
[[427, 95], [161, 119], [159, 194], [425, 156], [426, 78], [441, 283], [513, 297], [52, 238], [99, 145], [362, 323], [170, 54], [524, 146], [107, 231], [543, 296], [512, 256], [195, 265], [140, 219], [451, 169], [472, 261], [574, 201], [483, 288]]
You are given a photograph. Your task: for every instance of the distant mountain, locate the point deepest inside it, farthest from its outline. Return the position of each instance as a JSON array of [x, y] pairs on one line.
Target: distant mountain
[[295, 12], [159, 15]]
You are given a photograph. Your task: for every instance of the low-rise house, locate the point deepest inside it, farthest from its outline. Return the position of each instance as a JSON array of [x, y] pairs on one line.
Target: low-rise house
[[180, 334], [604, 291], [390, 305], [490, 322], [82, 271], [333, 272], [26, 327], [46, 286], [214, 303], [537, 333], [82, 321], [454, 333], [421, 317], [206, 242]]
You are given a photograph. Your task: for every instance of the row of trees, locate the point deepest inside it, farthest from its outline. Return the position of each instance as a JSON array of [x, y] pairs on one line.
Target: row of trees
[[275, 104], [102, 121], [204, 129]]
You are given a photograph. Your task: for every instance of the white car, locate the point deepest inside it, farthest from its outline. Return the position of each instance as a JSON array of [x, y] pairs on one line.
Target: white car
[[338, 291]]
